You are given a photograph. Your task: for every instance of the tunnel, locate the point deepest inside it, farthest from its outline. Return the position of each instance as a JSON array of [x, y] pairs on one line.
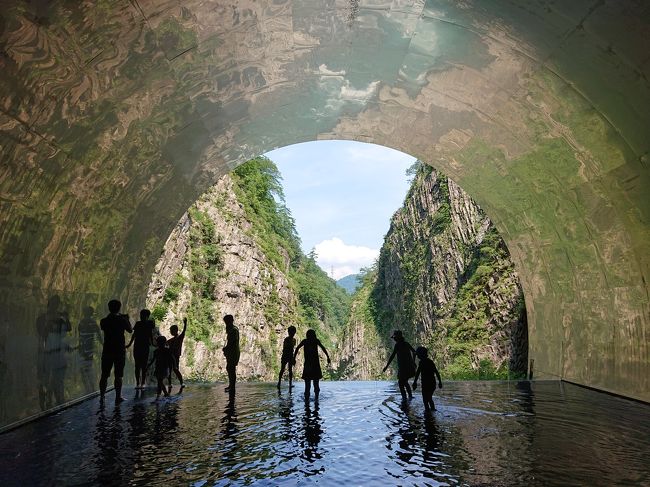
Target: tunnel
[[117, 115]]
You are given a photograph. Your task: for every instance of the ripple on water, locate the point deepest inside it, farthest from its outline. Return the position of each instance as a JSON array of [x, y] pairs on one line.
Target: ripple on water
[[359, 433]]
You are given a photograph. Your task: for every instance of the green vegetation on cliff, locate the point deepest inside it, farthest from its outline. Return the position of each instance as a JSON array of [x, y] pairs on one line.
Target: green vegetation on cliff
[[242, 249], [444, 277], [258, 187], [467, 325], [320, 301]]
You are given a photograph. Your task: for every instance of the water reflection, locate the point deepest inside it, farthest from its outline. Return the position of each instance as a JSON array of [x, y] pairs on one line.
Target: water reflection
[[357, 434], [165, 424], [110, 452], [53, 327], [229, 427], [285, 411], [312, 433]]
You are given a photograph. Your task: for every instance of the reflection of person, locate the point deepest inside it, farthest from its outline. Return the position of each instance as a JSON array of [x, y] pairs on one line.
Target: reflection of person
[[229, 420], [405, 363], [88, 332], [311, 368], [231, 351], [114, 466], [175, 344], [429, 372], [164, 360], [230, 452], [114, 352], [313, 432], [287, 355], [143, 337], [52, 327]]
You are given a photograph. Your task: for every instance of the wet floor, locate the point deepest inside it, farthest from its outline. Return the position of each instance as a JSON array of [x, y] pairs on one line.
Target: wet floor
[[359, 433]]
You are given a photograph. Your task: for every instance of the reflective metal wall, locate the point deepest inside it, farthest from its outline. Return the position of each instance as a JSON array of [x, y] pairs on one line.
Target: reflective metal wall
[[116, 115]]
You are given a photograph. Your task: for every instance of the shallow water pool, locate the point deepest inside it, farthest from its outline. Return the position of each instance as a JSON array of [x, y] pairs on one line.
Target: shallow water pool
[[359, 433]]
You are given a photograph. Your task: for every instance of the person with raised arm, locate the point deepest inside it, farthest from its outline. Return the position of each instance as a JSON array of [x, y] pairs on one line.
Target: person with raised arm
[[405, 363], [311, 371], [429, 372]]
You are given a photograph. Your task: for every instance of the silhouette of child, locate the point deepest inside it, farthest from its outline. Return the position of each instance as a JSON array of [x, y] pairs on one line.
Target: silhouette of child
[[164, 360], [287, 355], [175, 344], [405, 363], [311, 369], [143, 337], [429, 372]]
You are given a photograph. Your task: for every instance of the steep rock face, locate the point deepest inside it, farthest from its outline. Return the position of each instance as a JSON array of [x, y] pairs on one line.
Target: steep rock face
[[362, 351], [444, 277], [248, 283], [236, 252]]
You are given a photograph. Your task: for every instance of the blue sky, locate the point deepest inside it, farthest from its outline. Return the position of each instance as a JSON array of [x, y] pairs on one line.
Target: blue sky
[[342, 195]]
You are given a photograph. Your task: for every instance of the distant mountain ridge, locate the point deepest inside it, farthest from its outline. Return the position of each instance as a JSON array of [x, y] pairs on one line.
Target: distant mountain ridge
[[350, 283]]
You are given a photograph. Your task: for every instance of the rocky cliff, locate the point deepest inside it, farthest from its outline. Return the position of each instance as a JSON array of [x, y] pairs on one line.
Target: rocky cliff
[[236, 252], [445, 278]]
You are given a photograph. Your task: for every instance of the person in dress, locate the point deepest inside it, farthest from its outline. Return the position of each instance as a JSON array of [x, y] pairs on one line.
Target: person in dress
[[311, 371]]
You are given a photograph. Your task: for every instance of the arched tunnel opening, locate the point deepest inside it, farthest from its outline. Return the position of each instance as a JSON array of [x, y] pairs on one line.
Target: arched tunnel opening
[[116, 116], [426, 260]]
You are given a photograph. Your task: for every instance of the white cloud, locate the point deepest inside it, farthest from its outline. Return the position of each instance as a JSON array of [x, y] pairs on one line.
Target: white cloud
[[343, 259]]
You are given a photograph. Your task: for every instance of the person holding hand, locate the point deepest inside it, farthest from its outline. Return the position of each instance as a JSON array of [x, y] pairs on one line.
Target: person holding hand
[[429, 373]]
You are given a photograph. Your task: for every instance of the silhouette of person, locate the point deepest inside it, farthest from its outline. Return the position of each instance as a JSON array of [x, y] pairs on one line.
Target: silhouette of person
[[164, 360], [405, 363], [143, 337], [114, 351], [88, 332], [175, 344], [311, 371], [287, 355], [231, 351], [429, 373]]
